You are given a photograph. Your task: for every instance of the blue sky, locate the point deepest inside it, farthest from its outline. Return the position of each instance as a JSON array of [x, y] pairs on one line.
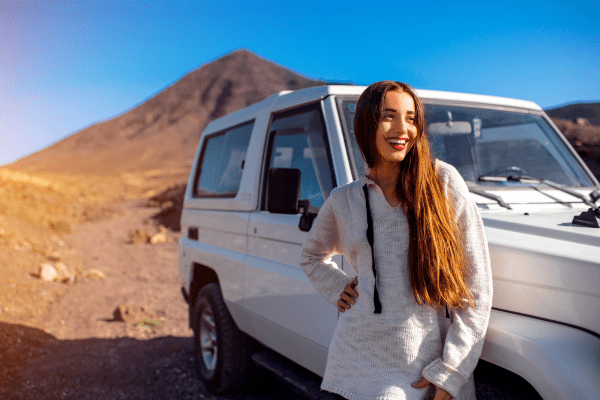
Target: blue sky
[[65, 65]]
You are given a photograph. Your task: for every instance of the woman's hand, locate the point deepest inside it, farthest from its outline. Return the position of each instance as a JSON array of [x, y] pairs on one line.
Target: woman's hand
[[348, 296], [440, 394]]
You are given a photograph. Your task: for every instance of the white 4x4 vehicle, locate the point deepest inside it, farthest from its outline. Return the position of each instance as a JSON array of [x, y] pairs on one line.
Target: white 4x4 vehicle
[[244, 225]]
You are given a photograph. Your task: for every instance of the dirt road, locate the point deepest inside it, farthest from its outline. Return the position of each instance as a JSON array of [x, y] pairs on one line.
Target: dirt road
[[80, 351]]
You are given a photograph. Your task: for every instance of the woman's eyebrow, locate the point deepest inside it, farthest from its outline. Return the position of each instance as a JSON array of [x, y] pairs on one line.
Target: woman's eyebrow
[[395, 111]]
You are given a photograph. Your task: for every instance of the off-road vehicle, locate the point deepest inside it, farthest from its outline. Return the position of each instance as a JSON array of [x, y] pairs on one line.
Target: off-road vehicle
[[244, 224]]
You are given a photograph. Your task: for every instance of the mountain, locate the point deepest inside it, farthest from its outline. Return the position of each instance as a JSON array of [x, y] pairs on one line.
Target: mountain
[[162, 133], [588, 111], [580, 123]]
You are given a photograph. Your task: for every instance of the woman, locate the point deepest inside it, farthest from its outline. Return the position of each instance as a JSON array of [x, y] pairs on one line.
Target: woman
[[414, 319]]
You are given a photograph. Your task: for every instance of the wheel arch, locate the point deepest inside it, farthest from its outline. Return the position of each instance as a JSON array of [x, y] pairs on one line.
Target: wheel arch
[[202, 276], [559, 362]]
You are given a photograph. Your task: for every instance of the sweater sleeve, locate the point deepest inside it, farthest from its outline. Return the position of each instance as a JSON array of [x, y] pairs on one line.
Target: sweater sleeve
[[466, 333], [322, 243]]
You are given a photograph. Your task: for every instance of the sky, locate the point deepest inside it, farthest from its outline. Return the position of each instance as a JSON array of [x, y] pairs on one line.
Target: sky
[[65, 65]]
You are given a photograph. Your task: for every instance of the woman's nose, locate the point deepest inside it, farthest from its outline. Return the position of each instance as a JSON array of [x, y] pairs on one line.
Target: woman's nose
[[401, 126]]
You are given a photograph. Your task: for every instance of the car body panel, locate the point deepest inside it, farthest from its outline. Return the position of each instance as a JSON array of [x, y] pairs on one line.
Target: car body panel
[[530, 277], [276, 287], [222, 241]]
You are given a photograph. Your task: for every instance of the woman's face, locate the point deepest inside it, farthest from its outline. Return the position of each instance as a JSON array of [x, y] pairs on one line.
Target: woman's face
[[397, 132]]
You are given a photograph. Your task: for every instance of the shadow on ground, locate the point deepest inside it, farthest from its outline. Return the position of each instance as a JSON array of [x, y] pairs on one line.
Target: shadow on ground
[[36, 365], [170, 202]]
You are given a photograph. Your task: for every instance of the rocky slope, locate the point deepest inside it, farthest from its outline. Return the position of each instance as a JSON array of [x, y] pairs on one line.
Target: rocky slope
[[585, 139], [584, 113]]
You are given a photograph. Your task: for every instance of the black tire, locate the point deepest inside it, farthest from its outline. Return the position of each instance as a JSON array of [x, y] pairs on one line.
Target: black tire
[[221, 350]]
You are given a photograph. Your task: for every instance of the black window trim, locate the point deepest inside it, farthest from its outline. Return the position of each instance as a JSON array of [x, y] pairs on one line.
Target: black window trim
[[201, 158], [346, 131]]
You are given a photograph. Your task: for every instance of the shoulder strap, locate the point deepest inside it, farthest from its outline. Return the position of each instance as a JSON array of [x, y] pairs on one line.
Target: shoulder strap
[[371, 240]]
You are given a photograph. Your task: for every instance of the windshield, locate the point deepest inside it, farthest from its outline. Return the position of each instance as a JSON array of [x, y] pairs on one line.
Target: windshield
[[483, 141]]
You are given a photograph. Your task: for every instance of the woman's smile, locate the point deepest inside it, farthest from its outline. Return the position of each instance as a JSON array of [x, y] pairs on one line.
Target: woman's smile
[[398, 144]]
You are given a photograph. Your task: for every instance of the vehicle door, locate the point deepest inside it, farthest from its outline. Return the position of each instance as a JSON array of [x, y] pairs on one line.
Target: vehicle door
[[215, 226], [289, 314]]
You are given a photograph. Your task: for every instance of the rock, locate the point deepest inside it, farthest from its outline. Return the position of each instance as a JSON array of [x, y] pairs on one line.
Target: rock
[[141, 236], [63, 274], [95, 274], [55, 256], [69, 280], [62, 270], [47, 273], [132, 314], [138, 236], [160, 237]]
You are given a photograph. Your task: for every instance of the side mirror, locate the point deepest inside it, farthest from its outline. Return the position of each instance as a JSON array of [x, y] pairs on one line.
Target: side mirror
[[284, 196], [284, 190]]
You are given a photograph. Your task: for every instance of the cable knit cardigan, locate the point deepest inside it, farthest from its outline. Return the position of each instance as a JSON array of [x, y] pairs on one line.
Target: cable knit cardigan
[[340, 229]]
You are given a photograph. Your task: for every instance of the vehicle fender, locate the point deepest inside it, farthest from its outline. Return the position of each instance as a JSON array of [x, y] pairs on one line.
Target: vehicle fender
[[560, 362]]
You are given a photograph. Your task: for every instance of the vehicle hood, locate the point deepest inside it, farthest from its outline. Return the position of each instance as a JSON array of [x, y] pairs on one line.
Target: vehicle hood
[[545, 267], [551, 223]]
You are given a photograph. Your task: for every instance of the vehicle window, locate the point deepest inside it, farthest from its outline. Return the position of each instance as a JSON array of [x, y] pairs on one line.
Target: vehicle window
[[298, 140], [495, 142], [221, 162], [483, 141]]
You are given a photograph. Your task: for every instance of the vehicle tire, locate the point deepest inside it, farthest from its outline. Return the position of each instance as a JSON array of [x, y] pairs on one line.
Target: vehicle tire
[[221, 350]]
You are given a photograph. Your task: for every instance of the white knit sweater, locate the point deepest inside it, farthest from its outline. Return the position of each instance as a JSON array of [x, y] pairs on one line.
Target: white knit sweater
[[378, 356]]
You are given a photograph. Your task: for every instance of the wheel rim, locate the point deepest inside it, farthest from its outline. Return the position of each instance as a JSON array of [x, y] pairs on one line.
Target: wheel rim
[[208, 339]]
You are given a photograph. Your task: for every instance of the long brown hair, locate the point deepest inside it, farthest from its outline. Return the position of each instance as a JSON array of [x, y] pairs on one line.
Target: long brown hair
[[435, 253]]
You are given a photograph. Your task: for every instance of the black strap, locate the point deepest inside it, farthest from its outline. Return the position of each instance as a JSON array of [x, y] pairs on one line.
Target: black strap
[[371, 240]]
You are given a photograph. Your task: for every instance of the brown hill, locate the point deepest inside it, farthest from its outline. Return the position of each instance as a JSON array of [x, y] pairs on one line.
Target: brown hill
[[585, 139], [585, 113], [580, 123], [160, 135], [578, 134]]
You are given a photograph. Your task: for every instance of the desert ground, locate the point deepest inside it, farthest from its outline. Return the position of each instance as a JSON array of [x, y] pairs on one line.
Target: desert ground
[[110, 321]]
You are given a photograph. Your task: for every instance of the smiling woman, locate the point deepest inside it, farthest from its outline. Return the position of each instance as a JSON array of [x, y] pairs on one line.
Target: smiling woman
[[414, 318]]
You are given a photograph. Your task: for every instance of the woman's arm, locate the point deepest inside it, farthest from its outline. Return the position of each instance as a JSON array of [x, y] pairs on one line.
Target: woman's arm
[[322, 243], [465, 337]]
